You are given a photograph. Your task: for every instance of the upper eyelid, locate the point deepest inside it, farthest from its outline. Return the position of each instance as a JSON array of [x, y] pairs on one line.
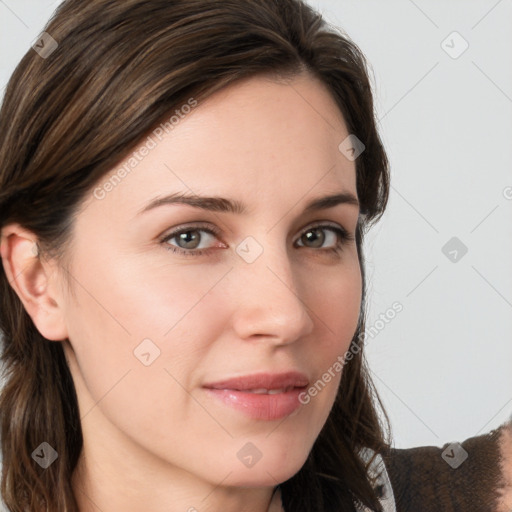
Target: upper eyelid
[[193, 227], [216, 231]]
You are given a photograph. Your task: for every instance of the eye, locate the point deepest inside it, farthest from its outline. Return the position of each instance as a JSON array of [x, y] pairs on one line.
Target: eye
[[191, 240], [197, 240], [334, 236]]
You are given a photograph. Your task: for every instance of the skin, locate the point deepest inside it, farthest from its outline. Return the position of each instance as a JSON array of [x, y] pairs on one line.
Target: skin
[[153, 438], [505, 500]]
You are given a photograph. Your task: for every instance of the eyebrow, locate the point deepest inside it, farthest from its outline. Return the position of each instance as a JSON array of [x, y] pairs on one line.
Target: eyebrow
[[223, 205]]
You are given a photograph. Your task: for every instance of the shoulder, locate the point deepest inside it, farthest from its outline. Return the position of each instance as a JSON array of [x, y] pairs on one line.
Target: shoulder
[[457, 476]]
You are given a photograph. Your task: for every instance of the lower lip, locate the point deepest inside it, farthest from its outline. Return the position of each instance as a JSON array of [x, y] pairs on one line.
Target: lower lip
[[260, 406]]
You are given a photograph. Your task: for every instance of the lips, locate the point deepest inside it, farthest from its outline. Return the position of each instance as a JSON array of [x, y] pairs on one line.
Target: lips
[[263, 391], [261, 396], [263, 381]]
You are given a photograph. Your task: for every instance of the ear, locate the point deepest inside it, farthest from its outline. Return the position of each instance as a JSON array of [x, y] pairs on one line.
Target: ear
[[33, 280]]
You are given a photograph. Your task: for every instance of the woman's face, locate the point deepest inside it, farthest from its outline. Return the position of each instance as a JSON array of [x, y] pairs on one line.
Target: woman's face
[[171, 300]]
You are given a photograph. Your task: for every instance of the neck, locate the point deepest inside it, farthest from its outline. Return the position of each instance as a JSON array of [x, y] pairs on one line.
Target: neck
[[109, 479]]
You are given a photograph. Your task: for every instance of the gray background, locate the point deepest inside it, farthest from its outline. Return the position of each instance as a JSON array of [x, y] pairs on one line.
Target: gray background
[[443, 364]]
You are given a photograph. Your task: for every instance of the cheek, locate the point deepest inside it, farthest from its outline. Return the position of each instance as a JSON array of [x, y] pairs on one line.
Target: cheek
[[131, 300], [130, 314], [150, 403], [337, 306]]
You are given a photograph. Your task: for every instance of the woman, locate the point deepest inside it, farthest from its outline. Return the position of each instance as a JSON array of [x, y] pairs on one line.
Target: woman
[[184, 192]]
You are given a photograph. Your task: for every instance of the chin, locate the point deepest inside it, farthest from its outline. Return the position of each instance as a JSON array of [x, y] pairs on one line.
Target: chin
[[267, 473]]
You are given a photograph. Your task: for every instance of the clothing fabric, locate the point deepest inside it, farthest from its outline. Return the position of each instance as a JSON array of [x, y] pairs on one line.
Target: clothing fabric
[[457, 477], [378, 471]]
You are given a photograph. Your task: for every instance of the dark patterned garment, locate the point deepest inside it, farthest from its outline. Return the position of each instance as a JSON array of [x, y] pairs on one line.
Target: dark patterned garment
[[458, 477]]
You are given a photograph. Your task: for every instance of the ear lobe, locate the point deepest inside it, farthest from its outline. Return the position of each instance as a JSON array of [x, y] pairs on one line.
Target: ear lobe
[[33, 280]]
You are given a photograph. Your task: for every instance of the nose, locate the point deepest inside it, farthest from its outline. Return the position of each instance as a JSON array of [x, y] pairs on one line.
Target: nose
[[268, 301]]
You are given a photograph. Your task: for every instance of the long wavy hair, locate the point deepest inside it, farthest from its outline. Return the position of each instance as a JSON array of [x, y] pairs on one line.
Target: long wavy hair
[[68, 117]]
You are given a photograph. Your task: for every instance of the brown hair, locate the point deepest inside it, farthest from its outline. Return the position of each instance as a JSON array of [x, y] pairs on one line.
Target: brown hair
[[69, 117]]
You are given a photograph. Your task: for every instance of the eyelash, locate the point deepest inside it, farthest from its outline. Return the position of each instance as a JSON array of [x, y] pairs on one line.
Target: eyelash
[[344, 237]]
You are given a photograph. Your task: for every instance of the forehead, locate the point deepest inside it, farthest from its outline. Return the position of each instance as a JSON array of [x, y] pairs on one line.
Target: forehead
[[256, 138]]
